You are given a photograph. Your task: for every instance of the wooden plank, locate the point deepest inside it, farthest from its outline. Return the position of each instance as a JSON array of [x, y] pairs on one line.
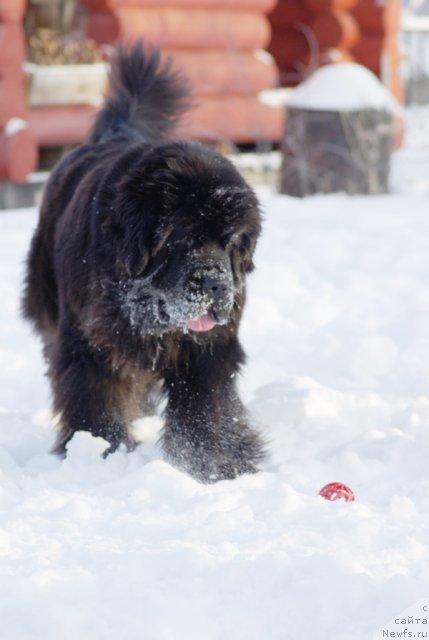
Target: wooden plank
[[171, 27], [255, 5], [18, 151], [12, 10]]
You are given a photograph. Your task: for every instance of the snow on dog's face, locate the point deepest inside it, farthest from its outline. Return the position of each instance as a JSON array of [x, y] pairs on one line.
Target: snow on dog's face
[[183, 232], [188, 289]]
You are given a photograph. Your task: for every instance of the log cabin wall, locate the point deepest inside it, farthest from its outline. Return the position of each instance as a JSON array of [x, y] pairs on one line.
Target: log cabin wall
[[309, 33], [18, 150], [218, 44], [378, 46]]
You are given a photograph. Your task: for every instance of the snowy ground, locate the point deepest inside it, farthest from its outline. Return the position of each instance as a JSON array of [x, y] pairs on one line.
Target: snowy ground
[[128, 548]]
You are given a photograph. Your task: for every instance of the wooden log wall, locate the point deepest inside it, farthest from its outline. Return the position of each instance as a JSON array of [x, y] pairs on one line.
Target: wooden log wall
[[218, 44], [18, 151], [309, 33], [378, 47]]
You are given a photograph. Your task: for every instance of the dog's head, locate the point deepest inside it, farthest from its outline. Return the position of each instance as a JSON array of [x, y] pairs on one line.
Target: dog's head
[[181, 232]]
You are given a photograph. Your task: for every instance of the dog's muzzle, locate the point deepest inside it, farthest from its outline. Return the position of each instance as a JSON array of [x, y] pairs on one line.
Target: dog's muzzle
[[213, 283]]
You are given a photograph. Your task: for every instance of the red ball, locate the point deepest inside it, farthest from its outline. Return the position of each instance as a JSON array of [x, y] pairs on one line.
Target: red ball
[[337, 491]]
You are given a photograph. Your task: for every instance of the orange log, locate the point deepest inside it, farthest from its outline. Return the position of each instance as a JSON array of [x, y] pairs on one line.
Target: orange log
[[296, 65], [292, 74], [103, 27], [12, 10], [214, 72], [399, 130], [396, 87], [328, 56], [236, 118], [370, 48], [391, 68], [56, 126], [335, 29], [330, 5], [18, 152], [288, 47], [287, 14], [381, 55], [13, 102], [12, 47], [173, 28], [375, 17], [263, 6]]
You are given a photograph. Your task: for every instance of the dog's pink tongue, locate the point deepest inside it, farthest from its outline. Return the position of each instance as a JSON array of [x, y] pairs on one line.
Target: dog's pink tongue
[[203, 323]]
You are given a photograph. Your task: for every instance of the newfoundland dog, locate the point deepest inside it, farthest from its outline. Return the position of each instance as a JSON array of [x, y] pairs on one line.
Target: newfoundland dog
[[136, 278]]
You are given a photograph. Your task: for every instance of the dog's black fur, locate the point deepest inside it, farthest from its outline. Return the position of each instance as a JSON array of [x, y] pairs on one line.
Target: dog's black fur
[[143, 244]]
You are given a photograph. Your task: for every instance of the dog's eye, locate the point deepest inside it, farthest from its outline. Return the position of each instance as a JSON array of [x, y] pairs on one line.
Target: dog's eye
[[134, 263], [240, 241]]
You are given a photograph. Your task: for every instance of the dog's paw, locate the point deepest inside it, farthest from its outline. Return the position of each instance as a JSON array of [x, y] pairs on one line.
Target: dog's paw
[[130, 444], [224, 471], [212, 458]]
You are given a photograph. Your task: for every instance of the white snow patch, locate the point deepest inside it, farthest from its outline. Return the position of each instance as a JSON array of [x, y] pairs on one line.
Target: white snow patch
[[345, 86], [14, 125]]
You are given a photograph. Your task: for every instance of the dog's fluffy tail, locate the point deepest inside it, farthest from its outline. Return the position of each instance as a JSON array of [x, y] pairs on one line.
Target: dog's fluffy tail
[[146, 97]]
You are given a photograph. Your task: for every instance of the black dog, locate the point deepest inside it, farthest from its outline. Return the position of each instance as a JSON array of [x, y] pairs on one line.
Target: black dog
[[136, 278]]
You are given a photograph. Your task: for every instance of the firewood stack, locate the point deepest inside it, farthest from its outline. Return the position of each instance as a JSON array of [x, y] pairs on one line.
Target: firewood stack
[[18, 150], [218, 44], [310, 33]]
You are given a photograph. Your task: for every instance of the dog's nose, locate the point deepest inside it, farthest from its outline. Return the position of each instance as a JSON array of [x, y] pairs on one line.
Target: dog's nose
[[214, 287]]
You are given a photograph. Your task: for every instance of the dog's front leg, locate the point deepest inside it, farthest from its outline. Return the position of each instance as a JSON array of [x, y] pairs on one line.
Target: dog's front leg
[[86, 394], [207, 430]]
